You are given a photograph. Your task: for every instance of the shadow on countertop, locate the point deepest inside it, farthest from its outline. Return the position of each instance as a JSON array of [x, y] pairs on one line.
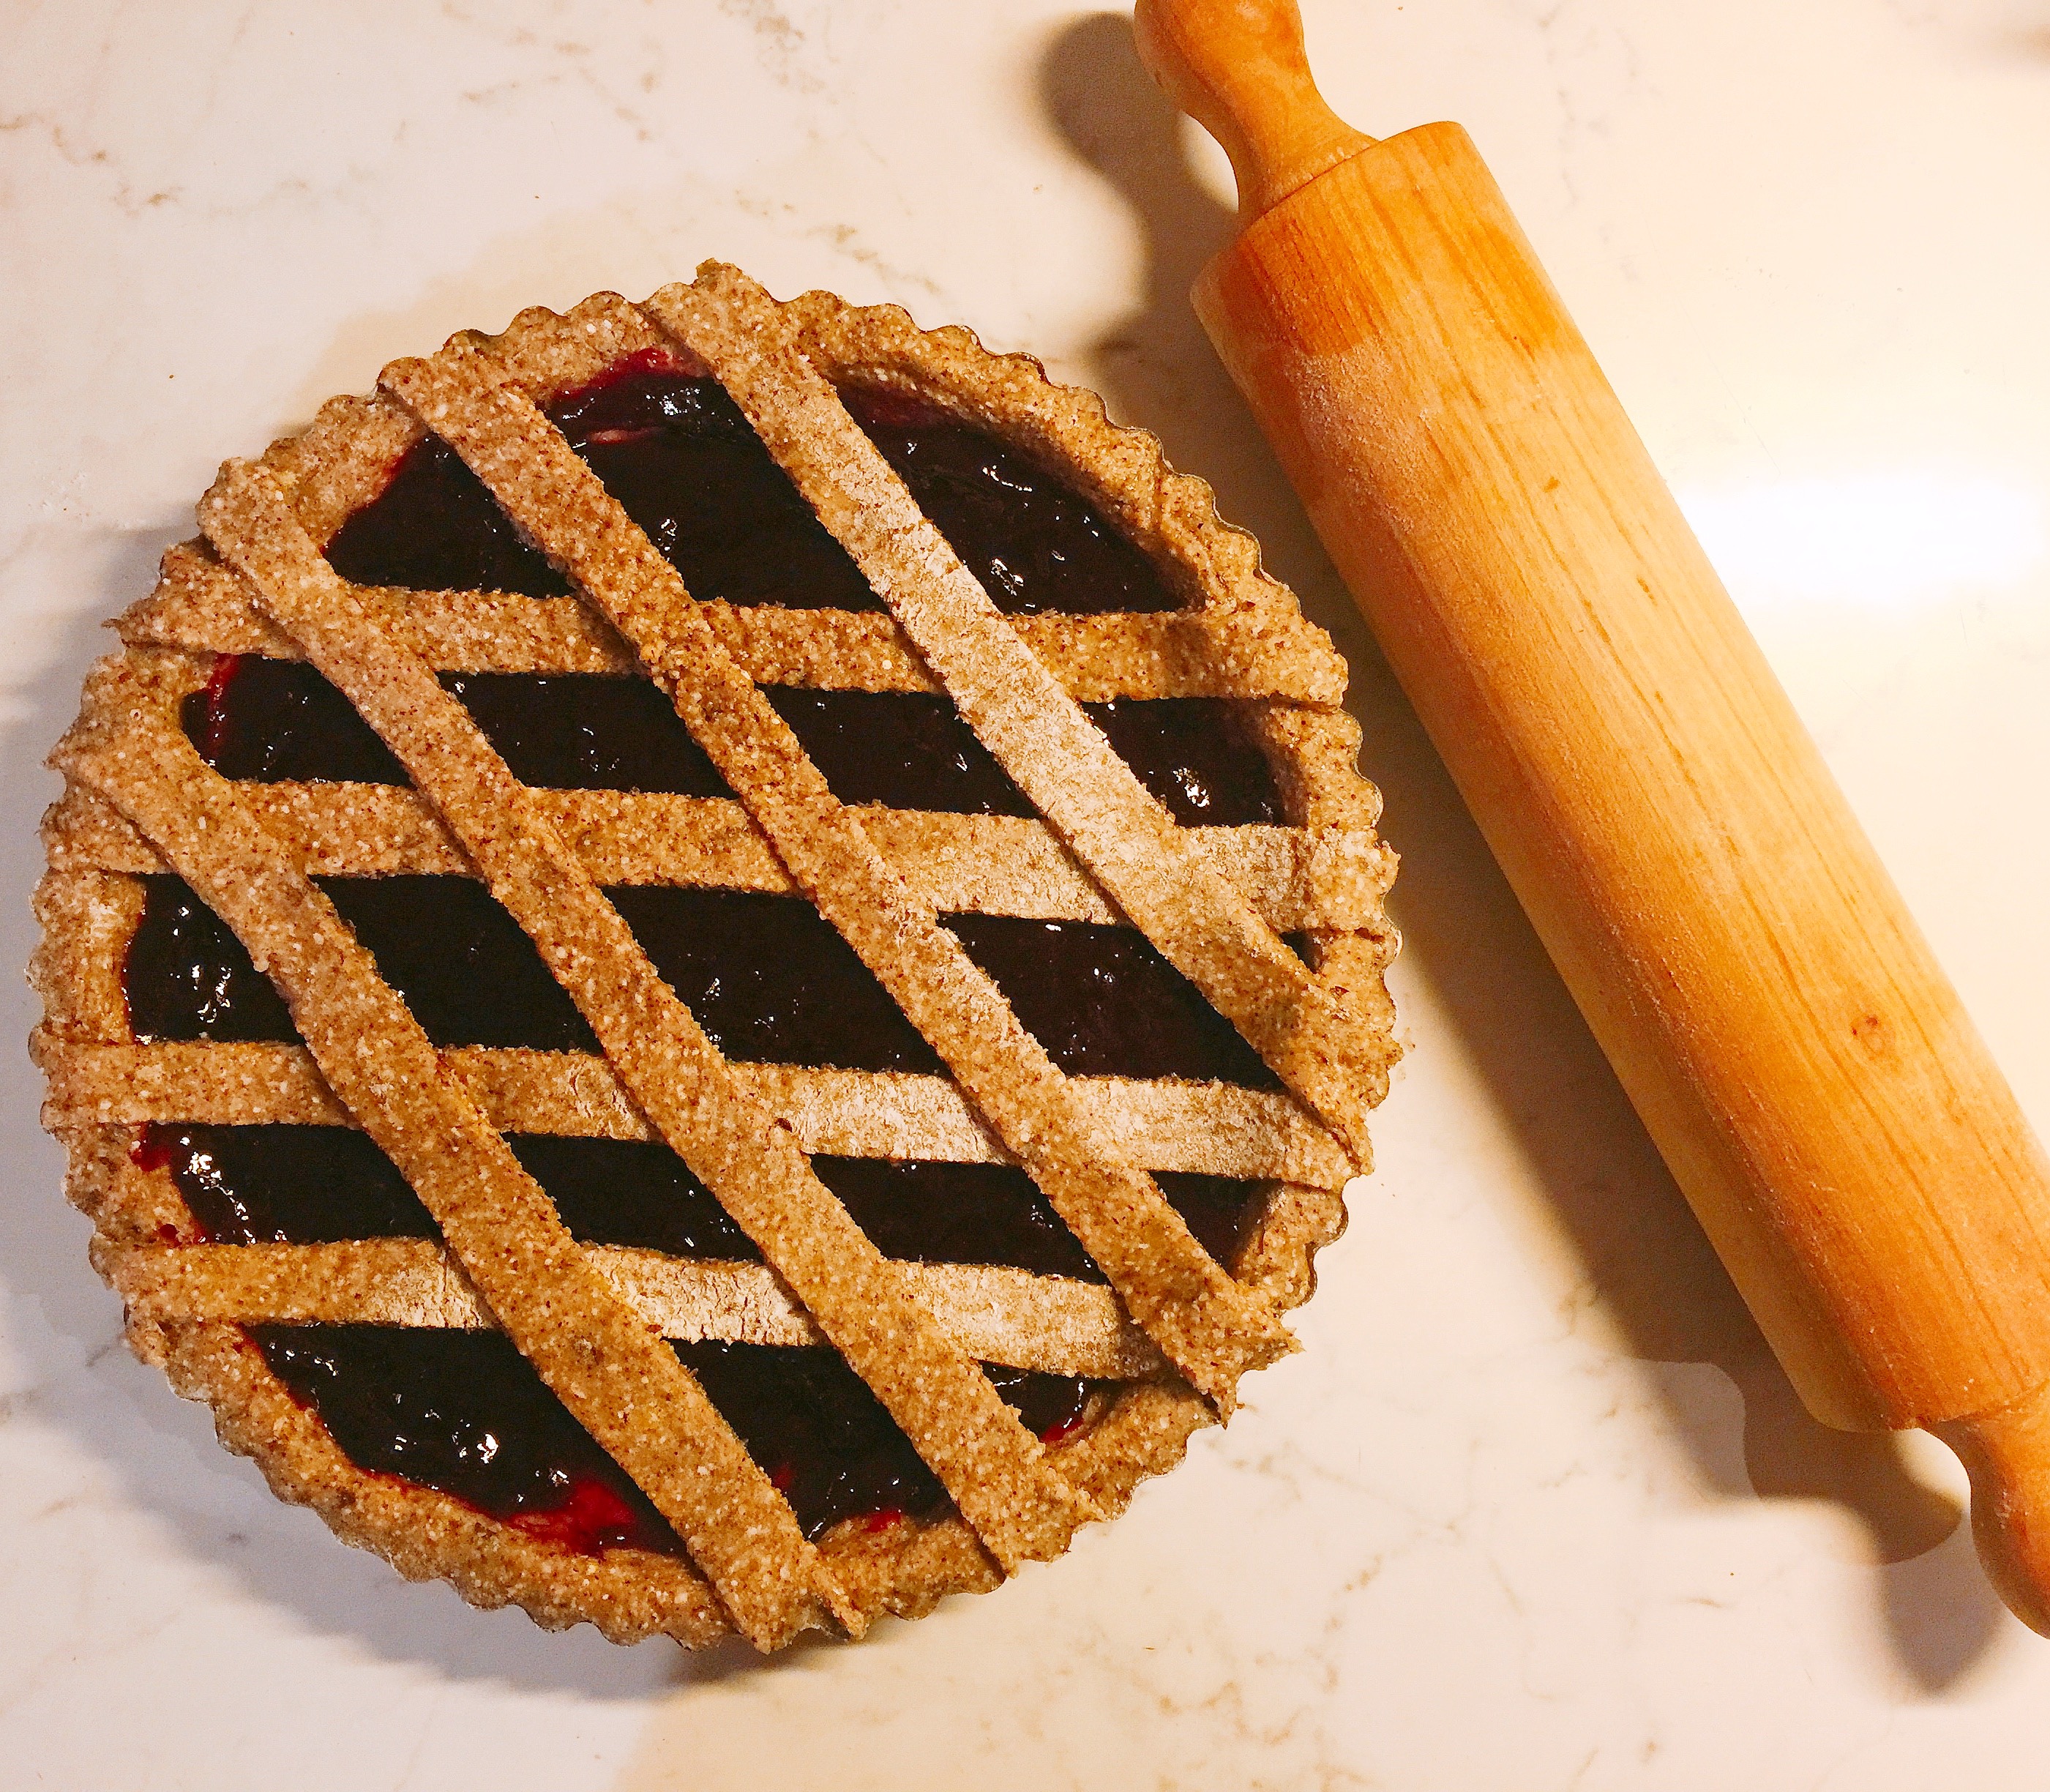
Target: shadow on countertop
[[1645, 1257]]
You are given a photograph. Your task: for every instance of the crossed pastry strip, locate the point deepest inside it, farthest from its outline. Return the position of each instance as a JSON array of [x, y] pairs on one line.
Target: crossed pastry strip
[[1307, 1032], [1208, 1128], [1209, 1326]]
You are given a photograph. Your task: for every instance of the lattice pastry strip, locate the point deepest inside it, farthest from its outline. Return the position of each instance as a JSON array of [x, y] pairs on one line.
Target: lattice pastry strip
[[1209, 1327], [1296, 878], [198, 604], [587, 1342], [1204, 1128], [995, 1470], [993, 1313]]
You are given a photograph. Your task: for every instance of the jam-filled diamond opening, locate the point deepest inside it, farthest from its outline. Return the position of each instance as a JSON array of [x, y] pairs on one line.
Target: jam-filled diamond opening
[[466, 1414]]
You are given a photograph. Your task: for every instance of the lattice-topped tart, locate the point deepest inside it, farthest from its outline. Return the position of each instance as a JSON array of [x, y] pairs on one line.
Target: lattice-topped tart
[[714, 965]]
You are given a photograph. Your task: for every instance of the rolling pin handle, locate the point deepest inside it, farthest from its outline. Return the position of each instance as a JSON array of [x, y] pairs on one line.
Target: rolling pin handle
[[1238, 67], [2007, 1455]]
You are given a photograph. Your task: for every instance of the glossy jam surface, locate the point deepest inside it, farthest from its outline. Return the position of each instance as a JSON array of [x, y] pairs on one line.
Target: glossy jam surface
[[683, 463], [465, 1412], [274, 721], [322, 1184], [1035, 543], [1103, 1001], [825, 1440], [285, 1184], [766, 976]]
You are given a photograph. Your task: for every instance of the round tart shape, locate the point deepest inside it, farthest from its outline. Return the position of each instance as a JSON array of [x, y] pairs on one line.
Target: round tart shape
[[714, 966]]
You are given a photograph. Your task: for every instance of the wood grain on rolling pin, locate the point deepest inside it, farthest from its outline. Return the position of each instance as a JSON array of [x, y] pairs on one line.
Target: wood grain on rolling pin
[[1799, 1058]]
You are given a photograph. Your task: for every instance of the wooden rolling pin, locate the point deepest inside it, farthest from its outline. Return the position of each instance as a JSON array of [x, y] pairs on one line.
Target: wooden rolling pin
[[1784, 1029]]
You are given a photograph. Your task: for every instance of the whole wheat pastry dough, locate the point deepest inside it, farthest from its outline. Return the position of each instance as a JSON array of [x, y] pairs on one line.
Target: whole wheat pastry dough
[[1167, 1339]]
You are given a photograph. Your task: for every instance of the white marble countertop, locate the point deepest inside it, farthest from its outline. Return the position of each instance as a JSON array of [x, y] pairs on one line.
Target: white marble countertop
[[1535, 1508]]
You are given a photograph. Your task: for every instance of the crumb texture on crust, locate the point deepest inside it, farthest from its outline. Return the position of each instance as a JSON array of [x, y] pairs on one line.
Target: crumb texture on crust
[[138, 799]]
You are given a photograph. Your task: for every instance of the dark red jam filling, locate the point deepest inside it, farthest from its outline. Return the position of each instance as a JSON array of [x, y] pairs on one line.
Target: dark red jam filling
[[1035, 543], [828, 1443], [766, 976], [323, 1185], [770, 980], [465, 1412], [285, 1184], [684, 463], [272, 721]]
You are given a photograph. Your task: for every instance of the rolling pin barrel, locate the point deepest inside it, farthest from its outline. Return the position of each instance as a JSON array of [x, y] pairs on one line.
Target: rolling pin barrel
[[1744, 961]]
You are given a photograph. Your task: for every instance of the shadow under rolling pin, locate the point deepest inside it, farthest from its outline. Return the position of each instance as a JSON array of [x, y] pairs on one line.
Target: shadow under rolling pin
[[1796, 1052]]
